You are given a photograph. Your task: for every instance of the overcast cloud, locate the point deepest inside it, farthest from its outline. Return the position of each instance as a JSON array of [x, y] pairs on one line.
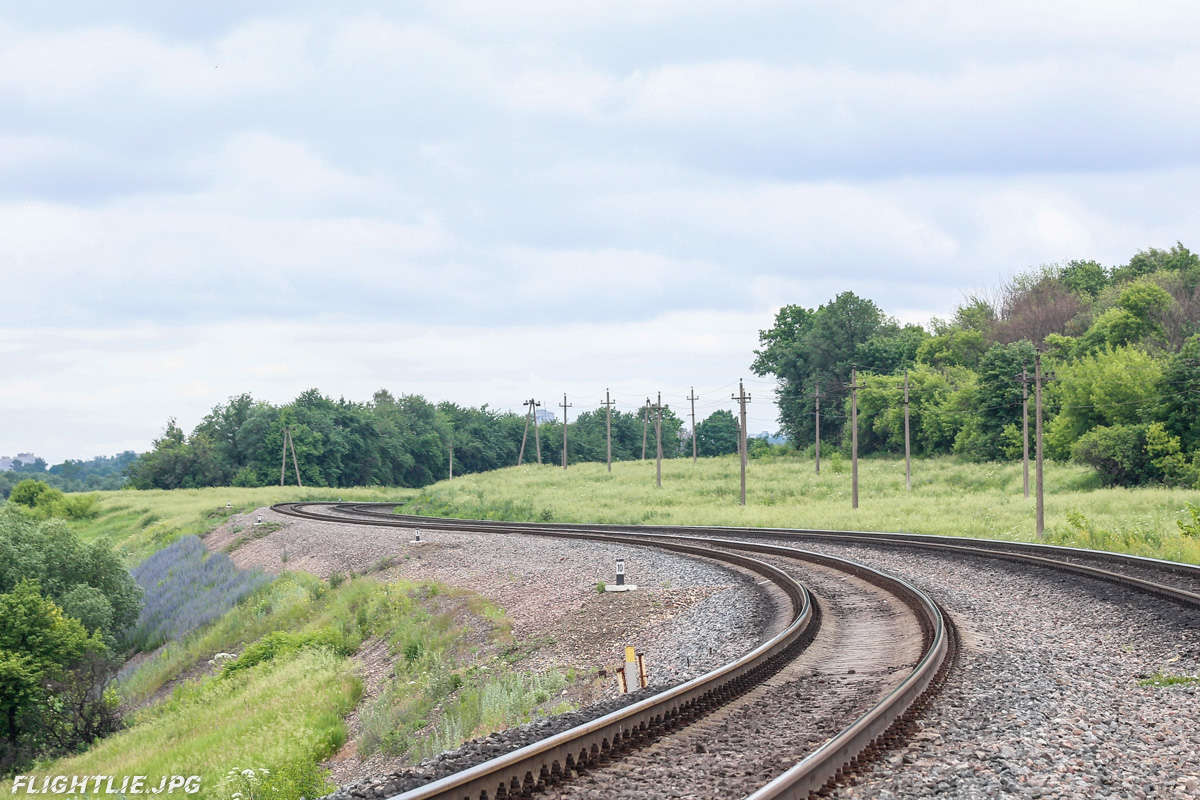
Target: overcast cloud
[[486, 201]]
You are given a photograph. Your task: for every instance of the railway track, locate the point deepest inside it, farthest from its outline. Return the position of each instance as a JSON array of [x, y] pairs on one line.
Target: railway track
[[869, 606]]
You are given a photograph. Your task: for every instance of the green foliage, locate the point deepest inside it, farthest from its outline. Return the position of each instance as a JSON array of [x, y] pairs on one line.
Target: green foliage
[[39, 501], [953, 347], [1163, 679], [1190, 527], [1113, 387], [717, 434], [285, 644], [299, 778], [53, 677], [997, 400], [1119, 453], [66, 569]]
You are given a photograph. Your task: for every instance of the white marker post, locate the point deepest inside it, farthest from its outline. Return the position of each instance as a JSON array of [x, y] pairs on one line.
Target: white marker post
[[620, 585]]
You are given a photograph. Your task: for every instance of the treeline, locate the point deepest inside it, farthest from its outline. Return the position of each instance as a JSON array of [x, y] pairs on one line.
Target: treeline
[[102, 473], [392, 441], [1121, 341]]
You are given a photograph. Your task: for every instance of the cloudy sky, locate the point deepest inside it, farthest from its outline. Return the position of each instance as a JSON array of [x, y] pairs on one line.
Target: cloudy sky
[[485, 201]]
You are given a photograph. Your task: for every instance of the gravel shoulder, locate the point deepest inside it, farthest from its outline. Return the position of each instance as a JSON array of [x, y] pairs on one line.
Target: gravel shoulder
[[1046, 701], [688, 614]]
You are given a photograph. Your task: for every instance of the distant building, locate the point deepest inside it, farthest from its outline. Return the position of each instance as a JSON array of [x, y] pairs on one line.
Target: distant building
[[6, 462], [544, 416]]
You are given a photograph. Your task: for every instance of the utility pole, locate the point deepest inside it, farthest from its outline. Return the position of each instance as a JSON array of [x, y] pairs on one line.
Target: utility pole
[[1037, 404], [853, 387], [608, 404], [1025, 429], [525, 433], [658, 440], [537, 442], [565, 406], [645, 423], [288, 443], [451, 457], [818, 399], [283, 463], [693, 398], [907, 451], [742, 399]]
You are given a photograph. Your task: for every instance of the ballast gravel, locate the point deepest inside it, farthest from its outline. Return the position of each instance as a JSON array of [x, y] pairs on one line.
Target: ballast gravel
[[688, 615], [1046, 701]]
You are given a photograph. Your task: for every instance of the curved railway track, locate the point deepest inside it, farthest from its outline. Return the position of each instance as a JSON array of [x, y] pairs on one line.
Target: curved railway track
[[1179, 583], [578, 750]]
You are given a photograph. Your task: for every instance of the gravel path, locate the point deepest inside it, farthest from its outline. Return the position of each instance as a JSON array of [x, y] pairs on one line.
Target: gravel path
[[1046, 701]]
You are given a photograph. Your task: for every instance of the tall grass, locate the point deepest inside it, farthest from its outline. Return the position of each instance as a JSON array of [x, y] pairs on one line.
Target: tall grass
[[279, 713], [142, 521], [949, 497]]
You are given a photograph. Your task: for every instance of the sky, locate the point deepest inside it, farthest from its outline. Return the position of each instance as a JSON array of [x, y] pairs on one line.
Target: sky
[[486, 201]]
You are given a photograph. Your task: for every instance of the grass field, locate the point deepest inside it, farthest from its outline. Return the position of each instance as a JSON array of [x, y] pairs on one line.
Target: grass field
[[949, 497], [141, 522]]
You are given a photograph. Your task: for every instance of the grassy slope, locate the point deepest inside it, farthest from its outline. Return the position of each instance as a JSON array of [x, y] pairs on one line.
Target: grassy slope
[[141, 522], [949, 497]]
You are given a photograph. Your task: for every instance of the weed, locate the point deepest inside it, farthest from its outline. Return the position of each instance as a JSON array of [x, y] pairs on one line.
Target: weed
[[601, 587], [1163, 679]]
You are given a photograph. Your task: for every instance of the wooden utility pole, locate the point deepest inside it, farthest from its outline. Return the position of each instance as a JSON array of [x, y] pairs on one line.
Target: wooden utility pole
[[658, 440], [907, 451], [537, 442], [742, 399], [817, 396], [693, 398], [608, 404], [645, 424], [451, 457], [1037, 391], [853, 387], [531, 404], [283, 463], [1025, 429], [565, 406], [289, 444]]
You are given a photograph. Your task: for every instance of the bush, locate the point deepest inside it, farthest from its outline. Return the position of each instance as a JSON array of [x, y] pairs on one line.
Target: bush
[[1119, 453], [85, 578]]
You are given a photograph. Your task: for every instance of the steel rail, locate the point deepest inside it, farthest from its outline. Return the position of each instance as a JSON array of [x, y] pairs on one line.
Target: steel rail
[[863, 737], [1044, 555]]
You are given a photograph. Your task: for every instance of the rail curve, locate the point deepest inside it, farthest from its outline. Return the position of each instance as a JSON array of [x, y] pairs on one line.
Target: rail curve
[[555, 758]]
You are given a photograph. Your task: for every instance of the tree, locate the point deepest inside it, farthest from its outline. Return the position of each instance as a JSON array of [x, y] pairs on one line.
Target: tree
[[997, 400], [805, 348], [1179, 388], [41, 650], [716, 435], [1115, 386]]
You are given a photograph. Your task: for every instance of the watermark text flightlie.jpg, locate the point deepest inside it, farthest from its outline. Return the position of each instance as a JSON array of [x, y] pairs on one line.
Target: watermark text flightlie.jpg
[[105, 784]]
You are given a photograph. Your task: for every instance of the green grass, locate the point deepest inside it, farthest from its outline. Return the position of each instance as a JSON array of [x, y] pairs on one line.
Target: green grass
[[949, 497], [275, 714], [1163, 679], [141, 522], [283, 701]]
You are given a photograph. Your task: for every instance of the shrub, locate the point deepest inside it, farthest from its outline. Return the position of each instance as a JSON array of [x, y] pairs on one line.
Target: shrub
[[1119, 453]]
